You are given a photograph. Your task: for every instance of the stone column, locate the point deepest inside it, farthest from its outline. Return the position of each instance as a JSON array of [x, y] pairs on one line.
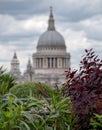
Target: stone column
[[34, 63], [67, 62], [53, 62], [63, 62], [45, 62], [50, 63], [59, 62], [39, 62]]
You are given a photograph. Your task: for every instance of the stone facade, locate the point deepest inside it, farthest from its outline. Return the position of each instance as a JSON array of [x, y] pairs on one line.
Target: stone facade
[[50, 60]]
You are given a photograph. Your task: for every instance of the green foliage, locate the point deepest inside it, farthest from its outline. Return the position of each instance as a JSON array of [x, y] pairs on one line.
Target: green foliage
[[44, 109], [2, 71], [52, 113], [6, 81], [35, 114], [13, 116], [35, 89], [97, 122], [23, 90]]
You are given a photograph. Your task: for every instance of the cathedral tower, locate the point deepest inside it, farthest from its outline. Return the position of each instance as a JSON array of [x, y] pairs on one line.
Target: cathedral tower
[[15, 69], [50, 60], [28, 74]]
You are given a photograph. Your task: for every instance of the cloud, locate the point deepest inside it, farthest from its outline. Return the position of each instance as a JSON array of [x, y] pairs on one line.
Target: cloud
[[23, 21], [91, 27], [12, 26], [70, 10], [77, 42], [22, 9], [78, 10]]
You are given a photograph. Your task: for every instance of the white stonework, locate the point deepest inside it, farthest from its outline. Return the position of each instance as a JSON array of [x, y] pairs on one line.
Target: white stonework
[[49, 62], [15, 70]]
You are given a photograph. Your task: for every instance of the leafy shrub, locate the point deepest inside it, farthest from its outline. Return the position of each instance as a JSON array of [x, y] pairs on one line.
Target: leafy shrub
[[35, 114], [13, 116], [96, 122], [6, 81], [23, 90], [34, 89], [83, 86], [53, 113]]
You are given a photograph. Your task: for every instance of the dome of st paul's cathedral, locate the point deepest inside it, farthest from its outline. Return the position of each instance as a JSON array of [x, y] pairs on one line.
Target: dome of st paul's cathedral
[[51, 38]]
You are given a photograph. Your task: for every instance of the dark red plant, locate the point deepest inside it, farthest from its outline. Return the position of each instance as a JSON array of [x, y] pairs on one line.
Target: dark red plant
[[83, 86]]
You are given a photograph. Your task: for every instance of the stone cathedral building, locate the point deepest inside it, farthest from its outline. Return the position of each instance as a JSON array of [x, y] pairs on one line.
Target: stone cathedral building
[[50, 60]]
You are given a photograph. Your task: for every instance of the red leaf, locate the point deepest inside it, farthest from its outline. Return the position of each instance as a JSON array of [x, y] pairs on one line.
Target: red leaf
[[86, 50], [80, 88]]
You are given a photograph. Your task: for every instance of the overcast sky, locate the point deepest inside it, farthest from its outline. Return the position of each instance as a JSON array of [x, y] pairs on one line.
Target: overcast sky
[[23, 21]]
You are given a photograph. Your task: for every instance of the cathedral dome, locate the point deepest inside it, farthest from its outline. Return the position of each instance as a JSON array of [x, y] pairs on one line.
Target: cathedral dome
[[51, 38]]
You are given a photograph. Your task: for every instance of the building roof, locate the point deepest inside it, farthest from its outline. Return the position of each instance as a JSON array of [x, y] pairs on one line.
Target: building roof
[[51, 38]]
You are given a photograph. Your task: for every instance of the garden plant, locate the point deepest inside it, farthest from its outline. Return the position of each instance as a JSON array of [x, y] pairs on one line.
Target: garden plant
[[50, 111], [84, 86], [6, 81], [37, 106]]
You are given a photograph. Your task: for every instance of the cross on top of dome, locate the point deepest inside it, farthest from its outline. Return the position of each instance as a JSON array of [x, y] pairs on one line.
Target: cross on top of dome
[[51, 25], [51, 15]]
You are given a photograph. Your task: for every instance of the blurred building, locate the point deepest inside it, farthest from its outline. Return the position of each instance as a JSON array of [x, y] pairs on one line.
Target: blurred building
[[50, 60]]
